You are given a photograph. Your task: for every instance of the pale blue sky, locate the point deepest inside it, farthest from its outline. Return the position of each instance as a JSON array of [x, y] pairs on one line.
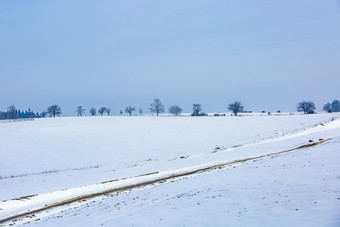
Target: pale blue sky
[[269, 55]]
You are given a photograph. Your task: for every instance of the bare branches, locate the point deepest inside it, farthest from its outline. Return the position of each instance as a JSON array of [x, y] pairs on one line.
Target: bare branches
[[54, 110], [236, 107], [102, 110], [93, 111], [306, 107], [196, 108], [156, 107], [80, 110], [130, 110], [175, 110]]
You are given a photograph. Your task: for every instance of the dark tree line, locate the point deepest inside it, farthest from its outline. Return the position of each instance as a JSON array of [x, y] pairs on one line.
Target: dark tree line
[[307, 107], [14, 113], [155, 107], [332, 107], [104, 110], [93, 111]]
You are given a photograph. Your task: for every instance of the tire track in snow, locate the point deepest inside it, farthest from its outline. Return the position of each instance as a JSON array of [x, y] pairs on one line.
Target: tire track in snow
[[137, 182]]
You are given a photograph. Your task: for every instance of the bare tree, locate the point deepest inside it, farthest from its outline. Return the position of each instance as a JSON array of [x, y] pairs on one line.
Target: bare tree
[[102, 110], [175, 110], [12, 112], [332, 107], [235, 107], [336, 106], [306, 107], [197, 109], [130, 110], [108, 110], [328, 107], [43, 114], [54, 110], [140, 110], [93, 111], [80, 110], [157, 107]]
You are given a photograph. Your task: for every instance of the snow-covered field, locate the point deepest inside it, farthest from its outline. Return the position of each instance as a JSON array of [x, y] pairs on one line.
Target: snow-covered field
[[57, 159]]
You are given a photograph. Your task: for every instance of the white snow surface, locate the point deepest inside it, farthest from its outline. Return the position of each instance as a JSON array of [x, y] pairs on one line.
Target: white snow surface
[[57, 159]]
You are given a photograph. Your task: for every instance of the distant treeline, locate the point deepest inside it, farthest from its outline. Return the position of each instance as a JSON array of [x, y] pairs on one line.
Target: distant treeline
[[156, 107], [13, 113]]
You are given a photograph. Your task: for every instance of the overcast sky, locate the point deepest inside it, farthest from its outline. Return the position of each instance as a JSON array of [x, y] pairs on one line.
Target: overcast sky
[[267, 54]]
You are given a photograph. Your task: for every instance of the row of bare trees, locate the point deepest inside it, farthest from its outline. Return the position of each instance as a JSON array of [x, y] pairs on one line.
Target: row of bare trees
[[308, 107], [14, 113], [156, 107]]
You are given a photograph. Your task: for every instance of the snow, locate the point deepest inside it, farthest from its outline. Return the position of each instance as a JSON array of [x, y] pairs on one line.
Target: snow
[[57, 159]]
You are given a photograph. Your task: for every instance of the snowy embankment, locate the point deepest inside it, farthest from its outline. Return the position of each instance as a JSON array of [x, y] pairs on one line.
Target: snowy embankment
[[278, 135]]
